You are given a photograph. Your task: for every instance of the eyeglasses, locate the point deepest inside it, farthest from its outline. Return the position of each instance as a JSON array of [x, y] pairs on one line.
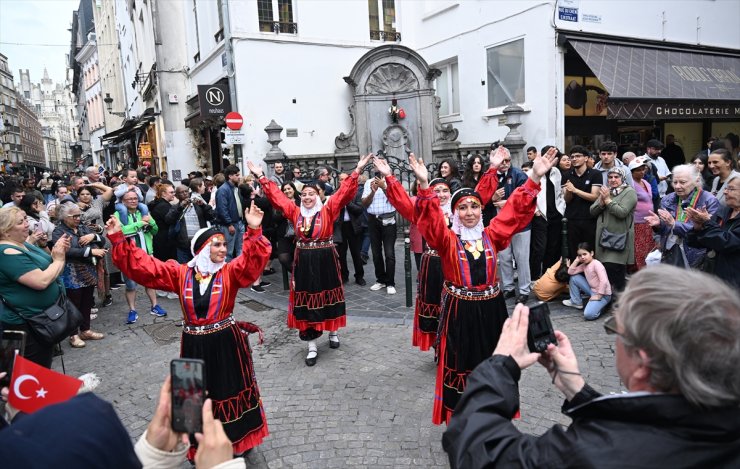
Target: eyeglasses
[[74, 216], [610, 326], [731, 189], [506, 160]]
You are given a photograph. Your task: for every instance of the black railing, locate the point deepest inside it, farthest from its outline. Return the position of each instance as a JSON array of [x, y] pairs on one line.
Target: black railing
[[385, 35], [279, 27], [219, 36]]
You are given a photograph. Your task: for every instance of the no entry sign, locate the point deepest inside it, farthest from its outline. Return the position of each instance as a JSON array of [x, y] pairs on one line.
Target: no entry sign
[[234, 120]]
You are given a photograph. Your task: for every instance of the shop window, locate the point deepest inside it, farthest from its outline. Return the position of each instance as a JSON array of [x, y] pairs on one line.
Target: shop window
[[447, 88], [383, 20], [505, 64], [285, 23]]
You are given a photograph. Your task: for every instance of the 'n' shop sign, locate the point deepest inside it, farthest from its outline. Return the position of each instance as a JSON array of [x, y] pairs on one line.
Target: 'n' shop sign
[[214, 100]]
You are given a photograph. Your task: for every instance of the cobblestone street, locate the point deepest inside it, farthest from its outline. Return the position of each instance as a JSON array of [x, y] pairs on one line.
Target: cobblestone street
[[366, 404]]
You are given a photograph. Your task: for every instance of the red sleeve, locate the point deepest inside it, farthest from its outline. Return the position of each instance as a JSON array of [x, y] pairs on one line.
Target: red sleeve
[[515, 216], [347, 191], [247, 268], [431, 221], [398, 197], [142, 268], [487, 185], [279, 200]]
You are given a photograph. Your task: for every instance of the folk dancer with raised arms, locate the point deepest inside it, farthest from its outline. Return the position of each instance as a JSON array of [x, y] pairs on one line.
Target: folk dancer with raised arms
[[473, 310]]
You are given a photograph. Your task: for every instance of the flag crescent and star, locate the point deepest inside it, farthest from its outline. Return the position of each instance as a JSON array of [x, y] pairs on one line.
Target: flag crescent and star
[[34, 387]]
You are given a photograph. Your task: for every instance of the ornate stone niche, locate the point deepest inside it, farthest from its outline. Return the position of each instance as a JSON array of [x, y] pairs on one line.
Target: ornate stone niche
[[394, 72]]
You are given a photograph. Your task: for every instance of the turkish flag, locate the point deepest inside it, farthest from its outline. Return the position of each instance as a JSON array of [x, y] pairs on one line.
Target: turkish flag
[[34, 387]]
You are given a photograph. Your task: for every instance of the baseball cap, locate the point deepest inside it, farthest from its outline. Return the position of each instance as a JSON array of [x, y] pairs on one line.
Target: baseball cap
[[637, 162], [654, 143]]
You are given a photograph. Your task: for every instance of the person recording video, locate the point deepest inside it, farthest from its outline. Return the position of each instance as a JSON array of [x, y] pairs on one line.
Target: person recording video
[[681, 408]]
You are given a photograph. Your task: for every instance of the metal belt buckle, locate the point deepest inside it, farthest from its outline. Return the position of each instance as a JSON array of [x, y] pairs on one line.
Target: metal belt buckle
[[469, 294]]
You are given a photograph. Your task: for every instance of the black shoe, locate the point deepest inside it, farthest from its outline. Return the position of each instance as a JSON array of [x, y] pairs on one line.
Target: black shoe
[[522, 299], [257, 289], [364, 259], [265, 284], [115, 287], [333, 343], [312, 361], [509, 294], [361, 282], [107, 301], [269, 271]]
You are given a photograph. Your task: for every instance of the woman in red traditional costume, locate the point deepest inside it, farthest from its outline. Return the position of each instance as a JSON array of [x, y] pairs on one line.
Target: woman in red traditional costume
[[316, 299], [429, 280], [207, 286], [473, 311]]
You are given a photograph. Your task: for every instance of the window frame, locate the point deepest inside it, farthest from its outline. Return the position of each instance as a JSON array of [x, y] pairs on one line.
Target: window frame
[[446, 67], [523, 77], [275, 22]]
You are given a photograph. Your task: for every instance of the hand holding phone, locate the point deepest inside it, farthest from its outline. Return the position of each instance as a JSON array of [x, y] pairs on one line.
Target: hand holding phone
[[188, 394]]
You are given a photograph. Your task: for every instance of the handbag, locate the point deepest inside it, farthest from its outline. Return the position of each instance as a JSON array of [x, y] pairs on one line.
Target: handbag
[[55, 323], [613, 241], [675, 256]]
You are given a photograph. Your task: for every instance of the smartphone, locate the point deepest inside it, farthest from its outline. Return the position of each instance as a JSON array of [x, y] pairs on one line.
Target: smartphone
[[188, 394], [378, 175], [11, 343], [540, 332]]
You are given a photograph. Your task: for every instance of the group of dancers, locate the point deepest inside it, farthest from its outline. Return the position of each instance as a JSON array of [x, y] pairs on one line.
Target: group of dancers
[[459, 310]]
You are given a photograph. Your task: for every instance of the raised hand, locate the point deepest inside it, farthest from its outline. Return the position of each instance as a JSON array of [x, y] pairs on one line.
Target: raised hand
[[382, 166], [363, 161], [59, 251], [420, 170], [542, 164], [497, 156], [253, 215], [113, 225], [255, 169]]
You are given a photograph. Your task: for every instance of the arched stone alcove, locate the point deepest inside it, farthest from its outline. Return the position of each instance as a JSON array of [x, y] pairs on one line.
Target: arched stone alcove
[[395, 72]]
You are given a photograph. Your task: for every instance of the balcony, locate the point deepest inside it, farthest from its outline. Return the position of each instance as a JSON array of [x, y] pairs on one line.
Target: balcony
[[387, 36], [278, 27]]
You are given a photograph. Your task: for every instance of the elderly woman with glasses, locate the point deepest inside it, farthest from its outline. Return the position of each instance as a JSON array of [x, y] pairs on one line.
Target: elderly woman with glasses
[[672, 221], [80, 274], [614, 211], [720, 233], [676, 352]]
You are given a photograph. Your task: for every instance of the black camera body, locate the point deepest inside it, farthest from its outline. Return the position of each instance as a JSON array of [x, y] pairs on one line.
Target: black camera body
[[540, 332]]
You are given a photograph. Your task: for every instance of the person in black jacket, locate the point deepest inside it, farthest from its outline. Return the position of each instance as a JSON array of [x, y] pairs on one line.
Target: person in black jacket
[[352, 223], [185, 219], [677, 352]]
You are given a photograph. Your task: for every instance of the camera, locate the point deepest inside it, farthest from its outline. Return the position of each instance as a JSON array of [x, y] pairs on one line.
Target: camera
[[540, 332]]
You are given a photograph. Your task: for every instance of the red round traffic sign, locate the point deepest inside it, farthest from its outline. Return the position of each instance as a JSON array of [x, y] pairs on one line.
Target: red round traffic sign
[[234, 120]]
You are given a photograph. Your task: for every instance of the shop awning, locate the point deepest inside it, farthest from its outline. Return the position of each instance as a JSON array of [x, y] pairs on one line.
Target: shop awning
[[636, 72], [129, 128]]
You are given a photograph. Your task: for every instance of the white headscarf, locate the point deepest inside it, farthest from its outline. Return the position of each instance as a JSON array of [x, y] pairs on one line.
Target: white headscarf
[[202, 260]]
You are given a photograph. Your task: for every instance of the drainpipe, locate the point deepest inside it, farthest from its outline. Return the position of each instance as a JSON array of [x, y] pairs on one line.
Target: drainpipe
[[229, 51]]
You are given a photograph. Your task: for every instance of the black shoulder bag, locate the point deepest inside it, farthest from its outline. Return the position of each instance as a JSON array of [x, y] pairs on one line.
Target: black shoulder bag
[[56, 322]]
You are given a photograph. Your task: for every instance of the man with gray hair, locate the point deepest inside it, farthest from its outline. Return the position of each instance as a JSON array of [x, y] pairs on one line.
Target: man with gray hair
[[93, 175], [677, 347]]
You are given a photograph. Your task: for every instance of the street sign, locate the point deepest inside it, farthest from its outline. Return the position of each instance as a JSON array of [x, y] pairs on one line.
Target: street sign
[[234, 137], [234, 120], [214, 100]]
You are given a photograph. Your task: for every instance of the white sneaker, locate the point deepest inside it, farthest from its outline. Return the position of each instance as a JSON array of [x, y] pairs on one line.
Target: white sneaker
[[391, 290], [161, 293], [172, 296], [377, 286], [572, 305], [93, 310]]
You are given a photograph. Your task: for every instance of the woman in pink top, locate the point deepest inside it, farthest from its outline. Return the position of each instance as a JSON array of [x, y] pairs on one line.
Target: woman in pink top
[[587, 275], [644, 242]]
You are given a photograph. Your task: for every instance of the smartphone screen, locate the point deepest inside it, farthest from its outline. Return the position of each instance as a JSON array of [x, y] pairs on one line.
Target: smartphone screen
[[188, 394], [12, 342]]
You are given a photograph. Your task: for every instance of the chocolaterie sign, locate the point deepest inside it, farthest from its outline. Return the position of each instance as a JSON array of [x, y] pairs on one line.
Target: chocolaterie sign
[[667, 111]]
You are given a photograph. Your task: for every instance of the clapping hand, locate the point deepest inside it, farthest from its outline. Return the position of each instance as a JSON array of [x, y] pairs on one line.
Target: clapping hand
[[59, 251], [420, 170], [604, 195], [253, 215], [698, 217], [87, 239]]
